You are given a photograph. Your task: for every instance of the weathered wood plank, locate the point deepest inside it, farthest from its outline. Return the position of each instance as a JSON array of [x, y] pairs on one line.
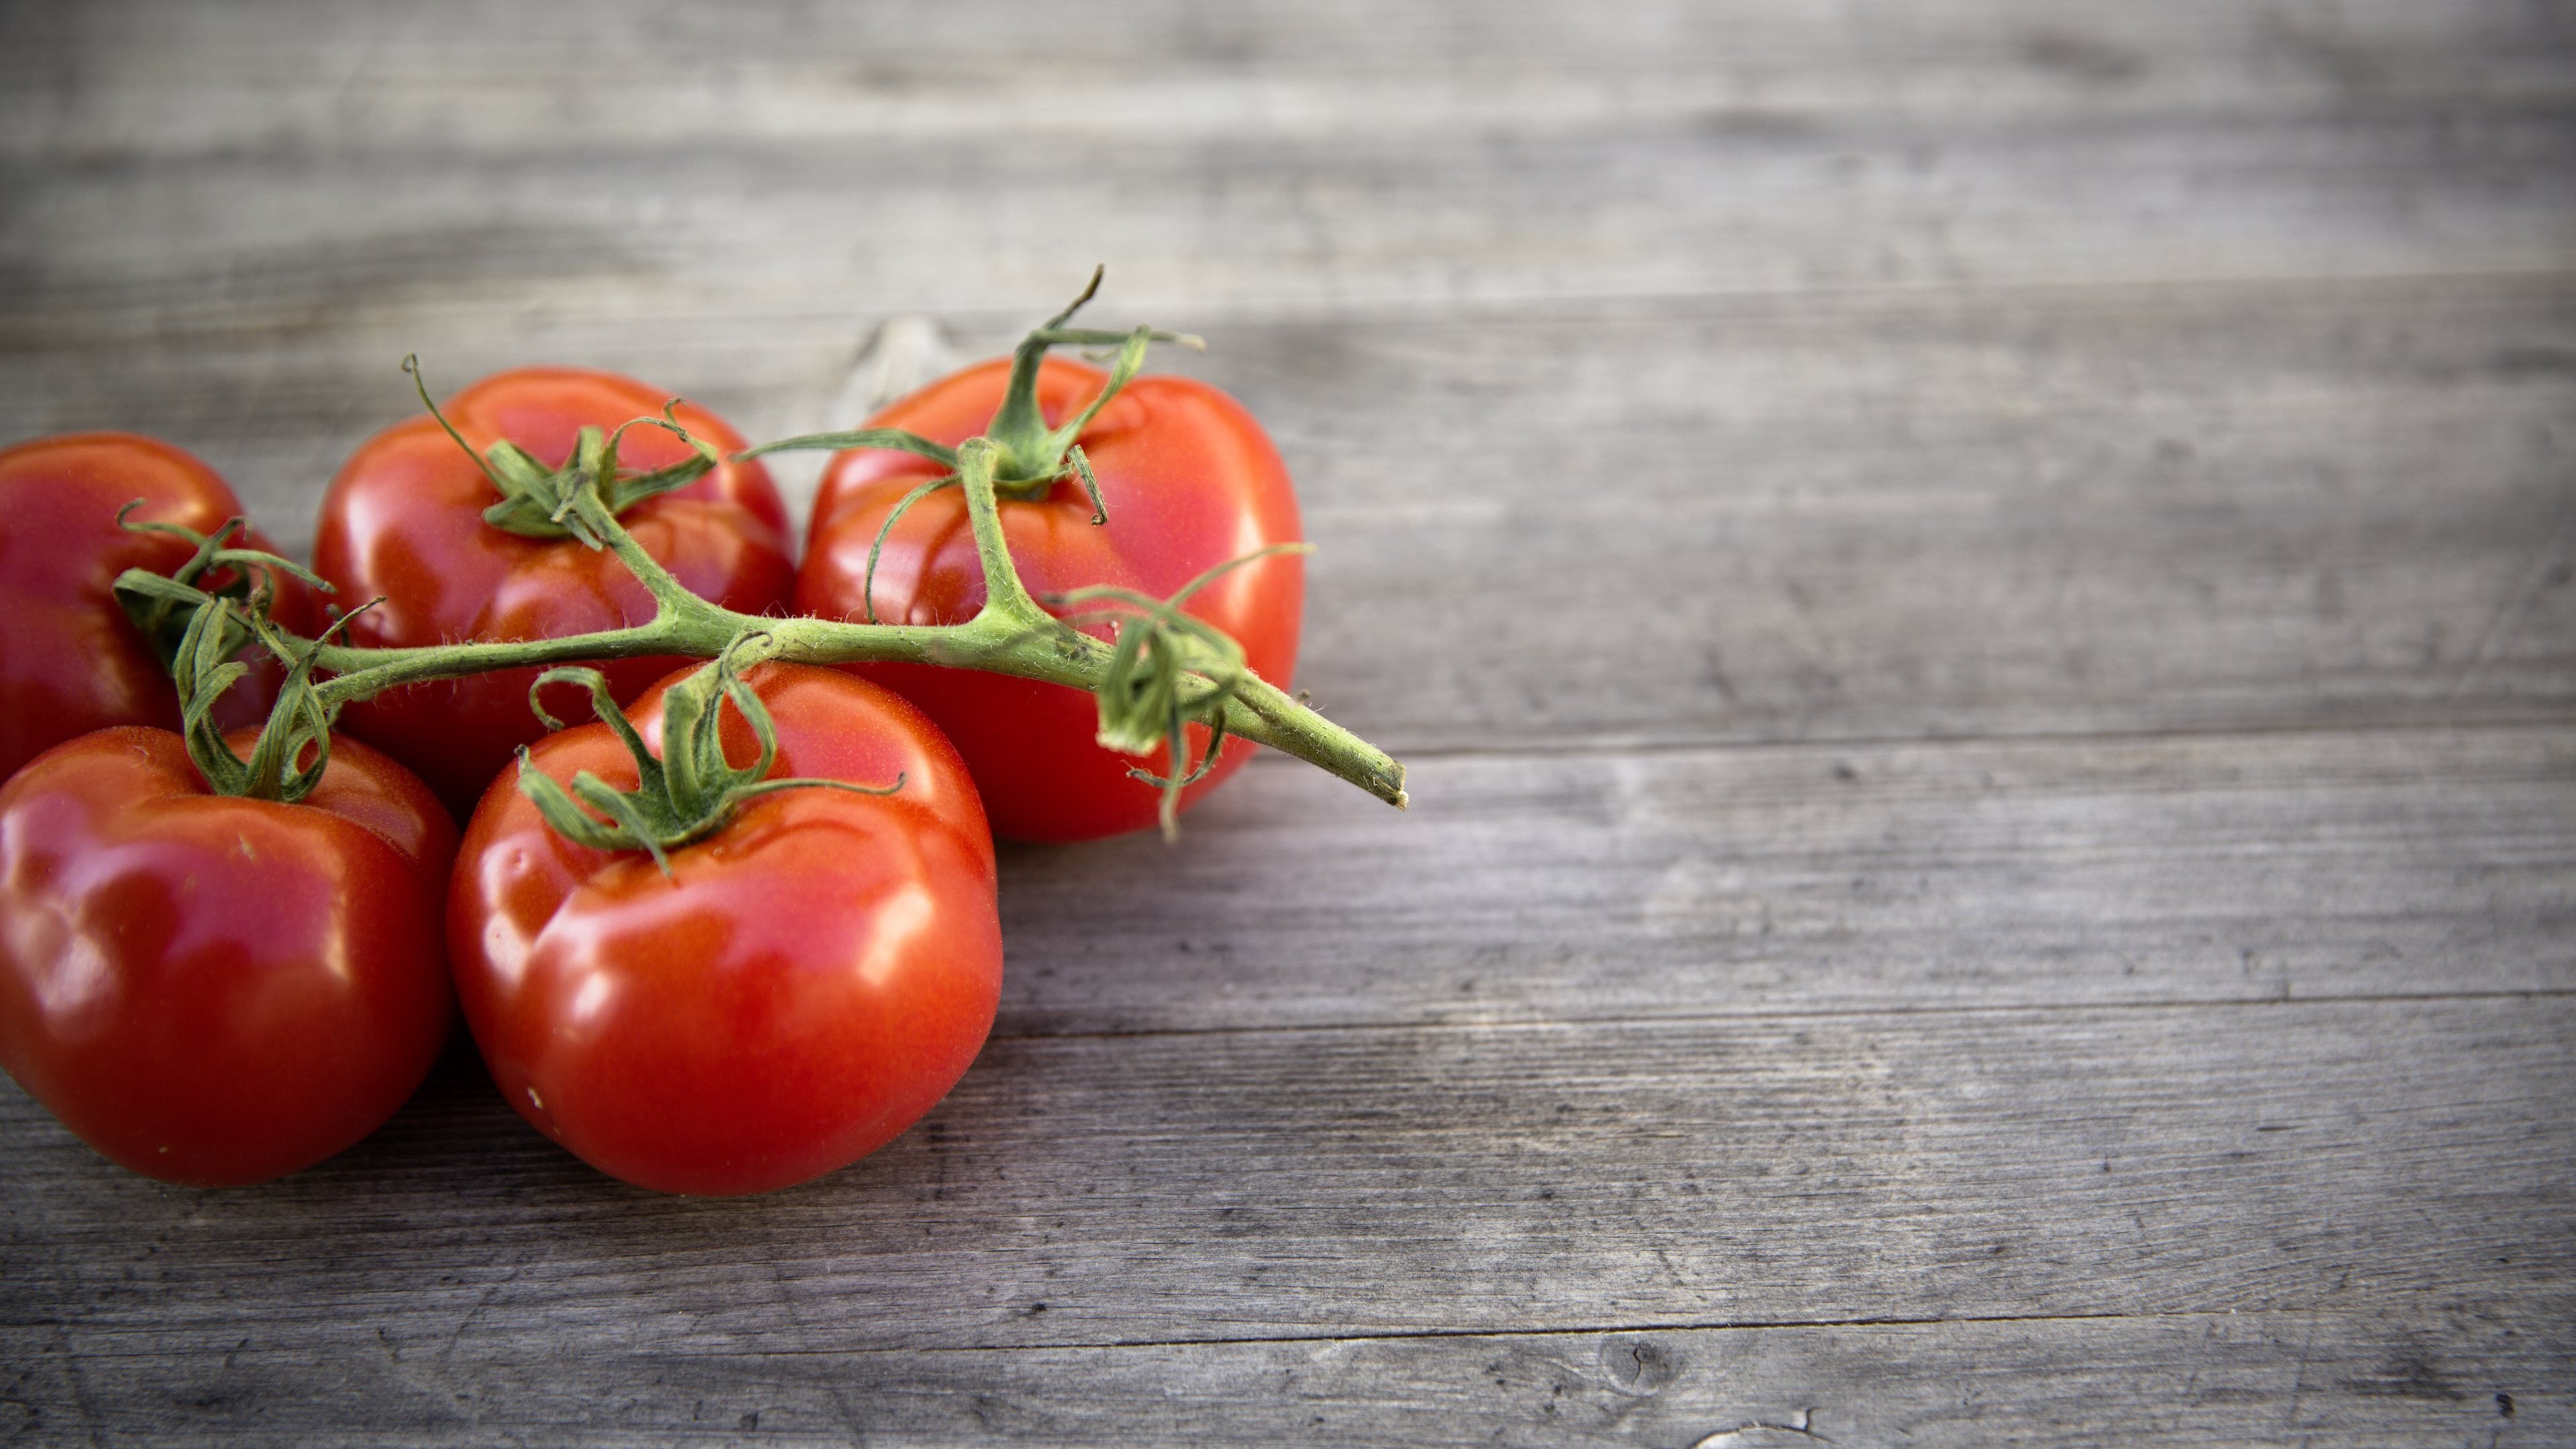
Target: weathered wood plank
[[146, 251], [1521, 888], [2041, 511], [171, 78], [2317, 1380], [2409, 1160], [1866, 516], [180, 173]]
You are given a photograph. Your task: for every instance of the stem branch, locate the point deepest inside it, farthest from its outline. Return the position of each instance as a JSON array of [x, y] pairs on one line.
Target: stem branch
[[1011, 635]]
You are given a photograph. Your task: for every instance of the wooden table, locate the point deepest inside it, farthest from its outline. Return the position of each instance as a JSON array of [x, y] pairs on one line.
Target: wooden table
[[1978, 596]]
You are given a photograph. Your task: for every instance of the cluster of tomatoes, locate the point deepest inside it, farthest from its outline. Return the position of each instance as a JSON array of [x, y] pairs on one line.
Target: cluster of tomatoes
[[218, 990]]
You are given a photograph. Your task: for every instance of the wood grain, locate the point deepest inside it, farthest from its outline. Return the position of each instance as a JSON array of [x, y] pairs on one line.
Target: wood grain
[[2034, 512], [2245, 868], [786, 158], [2340, 1160], [165, 76], [2315, 1379], [1979, 594]]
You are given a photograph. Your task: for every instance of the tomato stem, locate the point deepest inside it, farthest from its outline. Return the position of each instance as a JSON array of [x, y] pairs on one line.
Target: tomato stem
[[1164, 671], [1005, 597], [1016, 638]]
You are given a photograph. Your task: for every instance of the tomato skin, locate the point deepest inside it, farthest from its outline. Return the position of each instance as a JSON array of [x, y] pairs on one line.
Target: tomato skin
[[70, 660], [1189, 481], [815, 976], [404, 519], [216, 991]]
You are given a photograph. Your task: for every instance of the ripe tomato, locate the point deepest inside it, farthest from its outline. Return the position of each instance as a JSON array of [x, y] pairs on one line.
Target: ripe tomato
[[805, 983], [1188, 480], [404, 519], [218, 991], [70, 660]]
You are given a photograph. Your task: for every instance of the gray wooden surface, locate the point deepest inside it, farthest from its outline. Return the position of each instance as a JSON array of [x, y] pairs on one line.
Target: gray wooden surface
[[1979, 595]]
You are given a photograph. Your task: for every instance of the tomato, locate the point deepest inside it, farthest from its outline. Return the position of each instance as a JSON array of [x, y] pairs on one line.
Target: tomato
[[218, 991], [404, 519], [805, 982], [71, 661], [1187, 479]]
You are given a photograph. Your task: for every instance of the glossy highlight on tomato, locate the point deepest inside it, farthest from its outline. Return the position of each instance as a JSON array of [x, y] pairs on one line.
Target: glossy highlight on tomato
[[807, 980], [1188, 480], [219, 991], [404, 519], [71, 661]]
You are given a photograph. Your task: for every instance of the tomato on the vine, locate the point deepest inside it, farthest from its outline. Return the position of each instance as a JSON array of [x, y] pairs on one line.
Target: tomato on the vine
[[71, 661], [802, 984], [405, 520], [213, 990], [1187, 481]]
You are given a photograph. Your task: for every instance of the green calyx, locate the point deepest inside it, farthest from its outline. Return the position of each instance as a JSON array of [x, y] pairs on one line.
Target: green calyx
[[691, 790], [1144, 701], [1029, 458], [204, 659], [542, 502]]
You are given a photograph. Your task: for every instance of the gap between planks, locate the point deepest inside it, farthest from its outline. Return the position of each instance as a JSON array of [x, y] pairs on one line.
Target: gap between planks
[[1559, 305], [1612, 746], [999, 323], [1784, 1014], [1576, 1330]]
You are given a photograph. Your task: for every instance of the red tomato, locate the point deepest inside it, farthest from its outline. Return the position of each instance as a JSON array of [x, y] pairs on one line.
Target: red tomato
[[70, 660], [809, 979], [1188, 481], [218, 991], [404, 519]]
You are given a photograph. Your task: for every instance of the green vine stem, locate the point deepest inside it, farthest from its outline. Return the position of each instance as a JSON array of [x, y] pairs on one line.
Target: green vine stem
[[1012, 635]]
